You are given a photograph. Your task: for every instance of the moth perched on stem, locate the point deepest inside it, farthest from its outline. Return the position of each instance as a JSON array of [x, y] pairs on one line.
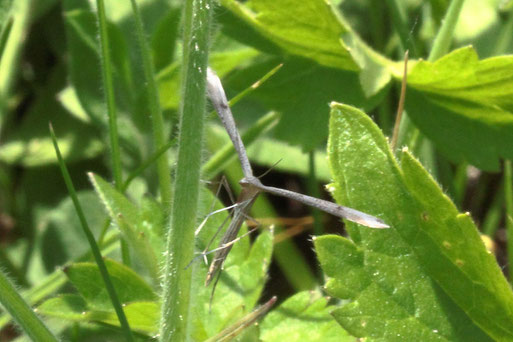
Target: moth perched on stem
[[252, 187]]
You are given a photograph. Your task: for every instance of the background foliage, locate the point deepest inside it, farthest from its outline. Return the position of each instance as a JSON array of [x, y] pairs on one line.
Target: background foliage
[[326, 110]]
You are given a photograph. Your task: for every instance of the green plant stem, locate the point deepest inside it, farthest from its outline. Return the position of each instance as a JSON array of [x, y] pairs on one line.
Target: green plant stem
[[163, 169], [92, 243], [48, 286], [377, 22], [108, 86], [443, 38], [401, 25], [15, 34], [459, 183], [180, 238], [504, 36], [147, 163], [384, 115], [4, 34], [508, 199], [440, 47], [400, 105], [494, 214], [22, 313], [110, 99]]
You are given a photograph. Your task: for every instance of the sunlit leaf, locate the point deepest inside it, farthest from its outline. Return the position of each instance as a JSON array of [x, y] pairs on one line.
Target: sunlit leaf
[[465, 106], [423, 278]]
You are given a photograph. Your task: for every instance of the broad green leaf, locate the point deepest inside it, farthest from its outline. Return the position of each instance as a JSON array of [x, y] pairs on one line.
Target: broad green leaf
[[130, 287], [62, 238], [163, 41], [30, 144], [301, 90], [84, 63], [222, 62], [306, 315], [142, 316], [465, 106], [268, 152], [240, 284], [311, 30], [391, 300], [29, 147], [253, 271], [84, 67], [428, 277], [237, 292], [375, 70], [142, 233]]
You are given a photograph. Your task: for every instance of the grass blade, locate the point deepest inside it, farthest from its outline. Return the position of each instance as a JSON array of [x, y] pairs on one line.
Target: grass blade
[[22, 313], [163, 170], [108, 86], [92, 242], [14, 33], [443, 38]]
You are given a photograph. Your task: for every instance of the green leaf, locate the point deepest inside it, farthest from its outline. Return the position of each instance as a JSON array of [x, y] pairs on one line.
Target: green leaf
[[426, 278], [69, 307], [391, 300], [163, 41], [253, 271], [306, 314], [465, 106], [267, 152], [311, 30], [30, 144], [69, 100], [241, 282], [142, 233], [239, 288], [129, 286], [222, 62], [142, 316], [84, 63], [62, 238], [301, 90], [84, 60]]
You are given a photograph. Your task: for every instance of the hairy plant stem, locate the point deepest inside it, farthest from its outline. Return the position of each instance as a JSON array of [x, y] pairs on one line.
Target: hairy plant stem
[[180, 238]]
